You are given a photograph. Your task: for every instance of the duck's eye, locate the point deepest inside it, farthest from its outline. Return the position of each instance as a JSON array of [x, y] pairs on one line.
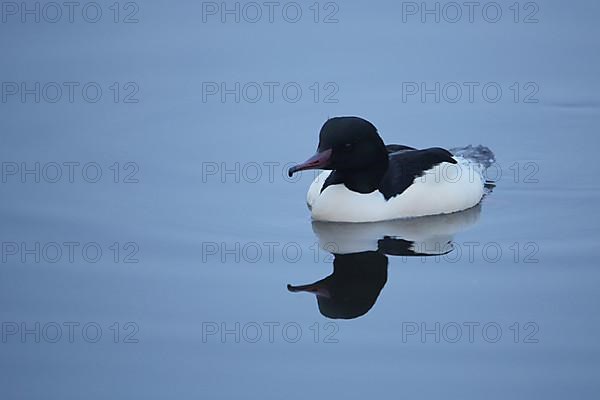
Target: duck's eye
[[347, 147]]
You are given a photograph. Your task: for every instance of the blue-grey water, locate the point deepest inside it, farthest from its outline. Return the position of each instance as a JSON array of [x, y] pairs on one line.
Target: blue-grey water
[[149, 230]]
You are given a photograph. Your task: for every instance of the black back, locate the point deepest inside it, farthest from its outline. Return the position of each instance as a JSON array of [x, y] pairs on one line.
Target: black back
[[404, 166]]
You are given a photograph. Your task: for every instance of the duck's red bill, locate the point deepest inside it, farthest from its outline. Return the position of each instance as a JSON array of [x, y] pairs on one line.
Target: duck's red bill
[[318, 161]]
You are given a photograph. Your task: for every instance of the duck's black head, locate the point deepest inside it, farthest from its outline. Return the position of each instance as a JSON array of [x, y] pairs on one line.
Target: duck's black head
[[347, 144]]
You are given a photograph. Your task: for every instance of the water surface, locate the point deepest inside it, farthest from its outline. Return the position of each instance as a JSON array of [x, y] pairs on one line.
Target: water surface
[[202, 203]]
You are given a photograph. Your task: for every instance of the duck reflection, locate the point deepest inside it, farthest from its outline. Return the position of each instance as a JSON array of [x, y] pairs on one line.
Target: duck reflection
[[360, 256]]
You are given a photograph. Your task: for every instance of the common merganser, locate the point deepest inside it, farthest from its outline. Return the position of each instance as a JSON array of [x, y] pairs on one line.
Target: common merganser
[[367, 181]]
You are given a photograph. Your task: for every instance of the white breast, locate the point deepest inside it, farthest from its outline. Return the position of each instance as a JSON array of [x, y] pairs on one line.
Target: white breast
[[446, 188]]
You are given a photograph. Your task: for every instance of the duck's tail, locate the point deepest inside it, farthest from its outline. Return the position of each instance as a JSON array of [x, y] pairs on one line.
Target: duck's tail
[[479, 154], [479, 157]]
